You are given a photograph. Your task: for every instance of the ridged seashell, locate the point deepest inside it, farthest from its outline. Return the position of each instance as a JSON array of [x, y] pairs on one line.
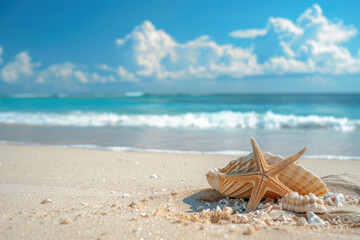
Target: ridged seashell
[[295, 177], [301, 204]]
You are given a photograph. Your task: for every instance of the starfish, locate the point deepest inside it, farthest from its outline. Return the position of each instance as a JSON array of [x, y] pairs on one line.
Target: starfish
[[266, 178]]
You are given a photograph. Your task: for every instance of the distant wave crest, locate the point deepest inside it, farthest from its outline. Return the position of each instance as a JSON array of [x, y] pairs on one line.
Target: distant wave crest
[[223, 119]]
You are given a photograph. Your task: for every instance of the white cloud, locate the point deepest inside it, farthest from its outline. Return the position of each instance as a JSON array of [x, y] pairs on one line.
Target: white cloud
[[81, 76], [284, 27], [56, 71], [325, 30], [20, 67], [96, 78], [104, 67], [248, 33], [312, 44], [127, 76], [71, 73], [153, 53], [282, 65]]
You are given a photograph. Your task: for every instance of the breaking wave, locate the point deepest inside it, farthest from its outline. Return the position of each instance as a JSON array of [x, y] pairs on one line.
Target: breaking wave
[[223, 119]]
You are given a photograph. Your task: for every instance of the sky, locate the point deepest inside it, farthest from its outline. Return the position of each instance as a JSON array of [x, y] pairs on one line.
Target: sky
[[49, 46]]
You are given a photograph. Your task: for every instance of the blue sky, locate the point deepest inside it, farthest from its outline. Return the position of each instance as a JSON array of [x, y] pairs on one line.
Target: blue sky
[[179, 46]]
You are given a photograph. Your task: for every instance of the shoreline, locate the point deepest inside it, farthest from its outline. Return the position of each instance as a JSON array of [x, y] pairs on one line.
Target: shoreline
[[233, 153], [117, 194]]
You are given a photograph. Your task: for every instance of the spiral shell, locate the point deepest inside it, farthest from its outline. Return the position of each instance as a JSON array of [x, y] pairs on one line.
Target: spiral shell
[[302, 204]]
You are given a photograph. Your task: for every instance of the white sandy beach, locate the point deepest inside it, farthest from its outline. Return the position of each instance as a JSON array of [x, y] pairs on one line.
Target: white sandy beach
[[92, 192]]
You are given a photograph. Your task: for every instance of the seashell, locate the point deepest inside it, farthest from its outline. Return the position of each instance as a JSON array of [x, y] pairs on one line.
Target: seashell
[[297, 203], [274, 211], [295, 177], [274, 214]]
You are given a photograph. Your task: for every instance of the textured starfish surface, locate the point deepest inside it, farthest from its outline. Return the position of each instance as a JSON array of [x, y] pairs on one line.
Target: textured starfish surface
[[266, 178]]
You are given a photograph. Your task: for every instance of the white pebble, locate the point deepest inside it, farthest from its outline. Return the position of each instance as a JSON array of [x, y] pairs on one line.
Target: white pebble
[[314, 219], [144, 214], [338, 202], [112, 192], [126, 195], [154, 176]]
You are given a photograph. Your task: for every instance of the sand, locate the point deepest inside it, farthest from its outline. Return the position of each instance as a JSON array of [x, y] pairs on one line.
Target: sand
[[68, 193]]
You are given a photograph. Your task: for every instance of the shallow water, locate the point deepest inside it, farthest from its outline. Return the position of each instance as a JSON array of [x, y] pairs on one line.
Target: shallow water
[[329, 124]]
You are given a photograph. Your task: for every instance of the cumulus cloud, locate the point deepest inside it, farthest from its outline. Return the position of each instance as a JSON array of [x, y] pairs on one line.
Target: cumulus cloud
[[248, 33], [312, 44], [65, 74], [104, 67], [284, 27], [324, 30], [126, 76], [81, 76], [56, 71], [154, 53], [20, 67], [71, 73]]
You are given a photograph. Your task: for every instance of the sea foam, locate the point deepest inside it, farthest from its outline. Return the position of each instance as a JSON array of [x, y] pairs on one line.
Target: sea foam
[[223, 119]]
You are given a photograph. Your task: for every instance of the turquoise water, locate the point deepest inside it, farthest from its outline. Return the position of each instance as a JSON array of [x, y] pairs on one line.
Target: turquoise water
[[336, 105], [329, 124]]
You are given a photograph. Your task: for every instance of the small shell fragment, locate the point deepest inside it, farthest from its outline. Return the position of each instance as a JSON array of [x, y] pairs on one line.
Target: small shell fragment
[[65, 221], [274, 214], [335, 199], [329, 202], [47, 200]]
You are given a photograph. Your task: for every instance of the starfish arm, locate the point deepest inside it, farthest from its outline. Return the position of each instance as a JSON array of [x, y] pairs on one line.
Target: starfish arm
[[280, 166], [245, 177], [261, 187], [260, 161], [278, 187], [256, 195]]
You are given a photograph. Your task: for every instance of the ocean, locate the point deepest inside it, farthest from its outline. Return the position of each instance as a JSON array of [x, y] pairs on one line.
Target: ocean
[[328, 124]]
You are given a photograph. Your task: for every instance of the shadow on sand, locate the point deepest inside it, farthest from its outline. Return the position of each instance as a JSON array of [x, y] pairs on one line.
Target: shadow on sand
[[197, 199]]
